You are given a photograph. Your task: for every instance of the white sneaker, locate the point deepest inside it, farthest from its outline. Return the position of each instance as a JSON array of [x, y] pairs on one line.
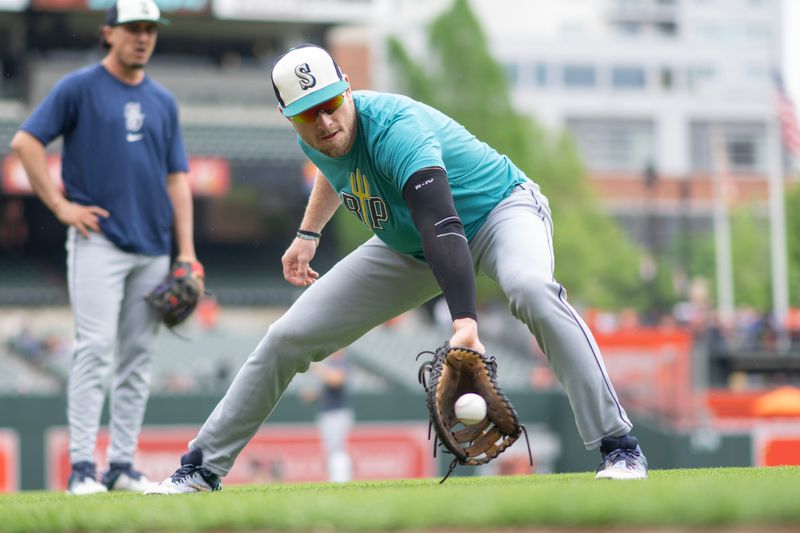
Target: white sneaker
[[622, 459], [122, 476], [82, 481], [192, 476], [127, 483]]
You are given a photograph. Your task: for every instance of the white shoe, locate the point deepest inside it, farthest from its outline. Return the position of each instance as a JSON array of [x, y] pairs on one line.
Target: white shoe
[[622, 459], [82, 481], [192, 476], [122, 476], [86, 486], [127, 483]]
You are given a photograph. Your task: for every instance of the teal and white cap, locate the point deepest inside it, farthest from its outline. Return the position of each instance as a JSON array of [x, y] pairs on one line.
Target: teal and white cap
[[304, 77]]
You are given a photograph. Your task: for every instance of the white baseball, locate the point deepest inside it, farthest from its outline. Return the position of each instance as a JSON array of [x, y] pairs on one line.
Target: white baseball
[[470, 409]]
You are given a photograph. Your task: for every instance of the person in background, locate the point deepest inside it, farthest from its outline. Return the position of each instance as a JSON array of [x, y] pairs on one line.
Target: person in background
[[13, 227], [126, 195], [335, 415]]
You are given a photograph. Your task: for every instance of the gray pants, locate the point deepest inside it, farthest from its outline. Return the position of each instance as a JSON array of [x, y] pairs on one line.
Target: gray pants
[[114, 332], [374, 284]]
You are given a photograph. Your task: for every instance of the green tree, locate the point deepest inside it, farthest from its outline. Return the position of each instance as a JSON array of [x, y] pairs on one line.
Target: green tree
[[595, 261], [750, 258], [750, 250]]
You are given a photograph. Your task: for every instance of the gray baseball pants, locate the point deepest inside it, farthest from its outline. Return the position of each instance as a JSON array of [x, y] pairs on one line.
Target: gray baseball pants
[[114, 333], [374, 284]]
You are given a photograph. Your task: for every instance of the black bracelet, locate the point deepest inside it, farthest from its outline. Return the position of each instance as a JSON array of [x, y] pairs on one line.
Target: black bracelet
[[308, 235]]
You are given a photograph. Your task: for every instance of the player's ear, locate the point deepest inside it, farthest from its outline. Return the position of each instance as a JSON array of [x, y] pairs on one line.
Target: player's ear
[[105, 33]]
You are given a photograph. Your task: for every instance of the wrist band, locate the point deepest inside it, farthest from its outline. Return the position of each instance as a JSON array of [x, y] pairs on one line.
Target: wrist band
[[308, 235]]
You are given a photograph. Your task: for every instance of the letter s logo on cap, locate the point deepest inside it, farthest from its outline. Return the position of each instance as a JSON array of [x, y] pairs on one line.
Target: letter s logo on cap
[[303, 72]]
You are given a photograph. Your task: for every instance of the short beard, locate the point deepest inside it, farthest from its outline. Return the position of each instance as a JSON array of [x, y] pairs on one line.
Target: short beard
[[137, 66]]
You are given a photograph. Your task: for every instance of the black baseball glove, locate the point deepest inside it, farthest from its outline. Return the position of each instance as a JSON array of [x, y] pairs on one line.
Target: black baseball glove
[[451, 373], [176, 297]]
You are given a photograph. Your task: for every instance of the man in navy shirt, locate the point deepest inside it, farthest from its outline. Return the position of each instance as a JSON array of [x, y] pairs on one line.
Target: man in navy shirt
[[125, 194]]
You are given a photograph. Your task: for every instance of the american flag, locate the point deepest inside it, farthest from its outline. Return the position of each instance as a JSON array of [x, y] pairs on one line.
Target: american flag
[[790, 132]]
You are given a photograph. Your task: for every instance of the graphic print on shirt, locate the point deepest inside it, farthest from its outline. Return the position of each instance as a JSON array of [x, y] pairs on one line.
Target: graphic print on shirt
[[134, 120], [371, 210]]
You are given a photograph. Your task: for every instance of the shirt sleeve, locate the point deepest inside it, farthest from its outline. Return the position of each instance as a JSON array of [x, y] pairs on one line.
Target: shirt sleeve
[[56, 114], [405, 145]]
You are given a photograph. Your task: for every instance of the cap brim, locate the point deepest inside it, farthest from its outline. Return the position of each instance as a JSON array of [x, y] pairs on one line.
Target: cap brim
[[315, 98], [161, 20]]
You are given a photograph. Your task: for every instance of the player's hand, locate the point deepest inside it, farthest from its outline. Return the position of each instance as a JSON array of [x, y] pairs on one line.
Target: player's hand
[[85, 218], [465, 333], [296, 259], [200, 280]]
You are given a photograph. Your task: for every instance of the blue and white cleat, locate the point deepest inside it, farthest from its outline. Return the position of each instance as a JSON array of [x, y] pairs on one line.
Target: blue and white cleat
[[83, 480], [191, 477], [622, 459], [122, 476]]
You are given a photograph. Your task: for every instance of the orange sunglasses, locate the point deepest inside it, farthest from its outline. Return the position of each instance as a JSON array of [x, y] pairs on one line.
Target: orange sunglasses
[[328, 107]]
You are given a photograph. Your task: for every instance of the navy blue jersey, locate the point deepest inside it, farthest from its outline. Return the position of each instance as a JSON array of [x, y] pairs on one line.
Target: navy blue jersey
[[120, 142]]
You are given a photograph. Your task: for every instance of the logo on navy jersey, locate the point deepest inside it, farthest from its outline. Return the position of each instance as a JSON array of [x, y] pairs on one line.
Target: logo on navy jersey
[[134, 120], [371, 210], [307, 80]]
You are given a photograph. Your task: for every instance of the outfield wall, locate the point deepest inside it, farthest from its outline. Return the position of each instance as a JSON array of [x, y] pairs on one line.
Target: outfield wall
[[390, 441]]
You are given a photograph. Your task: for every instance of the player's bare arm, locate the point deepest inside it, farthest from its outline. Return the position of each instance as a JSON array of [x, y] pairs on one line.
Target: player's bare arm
[[180, 194], [322, 204], [33, 157]]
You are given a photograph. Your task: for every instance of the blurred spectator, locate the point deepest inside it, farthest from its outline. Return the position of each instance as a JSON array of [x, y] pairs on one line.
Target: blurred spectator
[[335, 416], [36, 348], [757, 330], [13, 227], [221, 377], [716, 336], [27, 345], [767, 333]]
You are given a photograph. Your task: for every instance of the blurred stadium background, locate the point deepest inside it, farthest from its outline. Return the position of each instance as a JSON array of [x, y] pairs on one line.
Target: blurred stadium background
[[667, 112]]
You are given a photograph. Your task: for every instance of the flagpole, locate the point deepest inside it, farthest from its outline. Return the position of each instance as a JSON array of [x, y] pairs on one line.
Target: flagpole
[[777, 227], [722, 232]]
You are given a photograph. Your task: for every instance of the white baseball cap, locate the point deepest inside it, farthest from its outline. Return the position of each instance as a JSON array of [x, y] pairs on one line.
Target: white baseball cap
[[124, 11], [304, 77]]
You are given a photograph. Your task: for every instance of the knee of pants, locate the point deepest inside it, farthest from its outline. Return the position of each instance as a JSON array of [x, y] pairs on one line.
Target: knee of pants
[[531, 298], [98, 352], [292, 345]]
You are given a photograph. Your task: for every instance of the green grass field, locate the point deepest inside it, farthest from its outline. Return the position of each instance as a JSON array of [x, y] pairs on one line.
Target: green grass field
[[753, 498]]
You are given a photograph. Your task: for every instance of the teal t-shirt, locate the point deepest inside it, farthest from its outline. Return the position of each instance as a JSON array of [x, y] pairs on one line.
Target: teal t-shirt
[[397, 136]]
